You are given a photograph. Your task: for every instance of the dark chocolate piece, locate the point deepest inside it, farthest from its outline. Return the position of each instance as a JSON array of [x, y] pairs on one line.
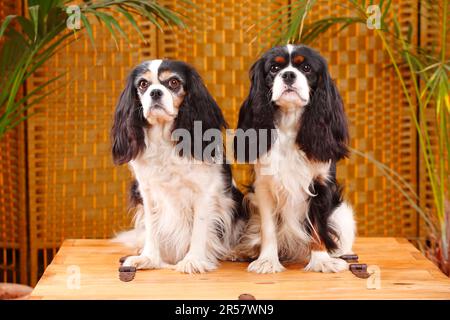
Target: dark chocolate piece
[[359, 270], [246, 296], [350, 257], [127, 274]]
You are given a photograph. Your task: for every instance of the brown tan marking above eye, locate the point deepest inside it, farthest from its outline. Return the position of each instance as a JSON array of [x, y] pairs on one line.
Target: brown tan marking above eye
[[147, 75], [163, 76], [280, 59], [298, 59]]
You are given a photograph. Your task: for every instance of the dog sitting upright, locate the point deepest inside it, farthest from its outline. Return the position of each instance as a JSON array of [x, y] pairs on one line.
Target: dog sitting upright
[[297, 211], [187, 207]]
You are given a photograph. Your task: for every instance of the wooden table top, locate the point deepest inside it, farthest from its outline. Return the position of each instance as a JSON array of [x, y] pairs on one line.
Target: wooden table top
[[404, 273]]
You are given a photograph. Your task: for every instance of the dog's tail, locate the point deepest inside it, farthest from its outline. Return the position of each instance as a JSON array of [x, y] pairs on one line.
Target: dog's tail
[[135, 237]]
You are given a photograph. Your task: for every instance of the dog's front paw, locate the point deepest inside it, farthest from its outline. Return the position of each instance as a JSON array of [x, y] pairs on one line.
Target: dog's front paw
[[142, 262], [192, 264], [266, 265], [322, 262]]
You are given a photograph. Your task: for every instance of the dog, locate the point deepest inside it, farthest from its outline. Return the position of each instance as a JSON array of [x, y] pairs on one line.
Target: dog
[[296, 205], [188, 210]]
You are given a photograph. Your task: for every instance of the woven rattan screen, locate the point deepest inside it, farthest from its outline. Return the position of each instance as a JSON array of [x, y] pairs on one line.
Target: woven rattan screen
[[13, 232], [74, 191], [380, 121], [222, 44]]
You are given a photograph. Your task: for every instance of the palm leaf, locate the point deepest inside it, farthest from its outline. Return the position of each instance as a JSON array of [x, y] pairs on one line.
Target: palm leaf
[[34, 15], [106, 20], [38, 37], [88, 27], [5, 24], [132, 21]]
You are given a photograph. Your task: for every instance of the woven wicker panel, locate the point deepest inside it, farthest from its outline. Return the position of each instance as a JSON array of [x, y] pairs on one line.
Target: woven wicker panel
[[74, 189], [222, 50], [380, 123], [13, 240], [222, 45]]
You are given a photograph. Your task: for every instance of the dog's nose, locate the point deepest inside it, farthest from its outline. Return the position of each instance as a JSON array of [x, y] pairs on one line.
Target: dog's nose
[[288, 77], [156, 94]]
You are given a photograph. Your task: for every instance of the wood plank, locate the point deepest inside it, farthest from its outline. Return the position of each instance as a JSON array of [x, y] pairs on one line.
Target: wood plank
[[404, 274]]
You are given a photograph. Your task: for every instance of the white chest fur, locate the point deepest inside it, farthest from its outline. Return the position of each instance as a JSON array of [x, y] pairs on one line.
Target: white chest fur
[[288, 174], [285, 167], [171, 186]]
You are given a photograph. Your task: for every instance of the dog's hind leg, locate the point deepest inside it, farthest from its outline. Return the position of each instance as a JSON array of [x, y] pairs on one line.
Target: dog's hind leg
[[343, 222]]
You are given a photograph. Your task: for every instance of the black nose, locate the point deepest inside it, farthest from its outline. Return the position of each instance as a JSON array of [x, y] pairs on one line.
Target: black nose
[[156, 94], [288, 77]]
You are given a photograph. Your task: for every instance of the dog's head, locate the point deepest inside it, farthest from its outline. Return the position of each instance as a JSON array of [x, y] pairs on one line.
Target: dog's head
[[160, 92], [296, 77]]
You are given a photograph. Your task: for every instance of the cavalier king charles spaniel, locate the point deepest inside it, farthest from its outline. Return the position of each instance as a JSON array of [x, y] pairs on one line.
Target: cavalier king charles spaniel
[[187, 208], [296, 206]]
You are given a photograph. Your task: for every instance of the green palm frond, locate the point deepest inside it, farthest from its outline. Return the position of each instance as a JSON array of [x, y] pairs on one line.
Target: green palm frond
[[5, 24], [36, 37]]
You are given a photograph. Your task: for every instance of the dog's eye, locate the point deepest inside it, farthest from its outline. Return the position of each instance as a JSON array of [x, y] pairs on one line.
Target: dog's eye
[[143, 84], [306, 68], [274, 68], [174, 83]]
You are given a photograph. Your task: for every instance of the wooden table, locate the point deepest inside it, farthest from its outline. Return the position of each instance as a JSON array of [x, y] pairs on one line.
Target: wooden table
[[404, 274]]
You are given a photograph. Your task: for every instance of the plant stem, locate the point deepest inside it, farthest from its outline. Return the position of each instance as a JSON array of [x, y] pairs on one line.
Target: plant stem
[[425, 145], [303, 20], [444, 31]]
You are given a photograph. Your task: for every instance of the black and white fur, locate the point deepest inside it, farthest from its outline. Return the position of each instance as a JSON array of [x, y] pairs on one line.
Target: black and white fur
[[187, 209], [297, 207]]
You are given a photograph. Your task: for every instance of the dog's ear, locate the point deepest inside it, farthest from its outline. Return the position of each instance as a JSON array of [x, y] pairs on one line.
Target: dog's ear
[[128, 127], [257, 112], [198, 105], [323, 133]]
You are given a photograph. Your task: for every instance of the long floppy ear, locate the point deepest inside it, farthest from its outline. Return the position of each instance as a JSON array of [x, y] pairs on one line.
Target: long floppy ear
[[127, 132], [257, 112], [323, 133], [198, 105]]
